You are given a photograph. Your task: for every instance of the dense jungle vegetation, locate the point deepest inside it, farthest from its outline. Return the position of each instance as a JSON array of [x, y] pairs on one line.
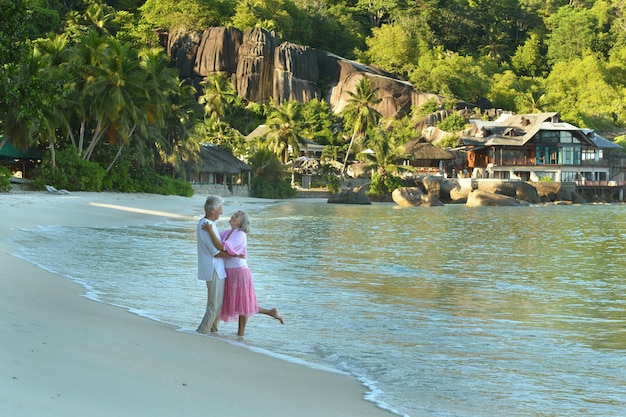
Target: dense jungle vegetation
[[86, 79]]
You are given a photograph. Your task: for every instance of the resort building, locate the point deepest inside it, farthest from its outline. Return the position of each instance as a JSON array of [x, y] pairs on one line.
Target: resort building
[[532, 147]]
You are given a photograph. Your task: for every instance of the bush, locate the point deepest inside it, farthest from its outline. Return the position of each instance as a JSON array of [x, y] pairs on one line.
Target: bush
[[381, 188], [72, 173], [119, 179], [265, 188], [452, 123], [5, 179], [429, 106], [270, 178], [148, 181]]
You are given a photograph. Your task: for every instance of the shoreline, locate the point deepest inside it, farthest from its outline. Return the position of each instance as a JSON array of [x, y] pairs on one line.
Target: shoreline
[[64, 354]]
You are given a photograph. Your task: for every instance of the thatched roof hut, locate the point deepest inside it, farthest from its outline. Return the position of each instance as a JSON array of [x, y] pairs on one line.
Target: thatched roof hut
[[218, 166], [425, 154]]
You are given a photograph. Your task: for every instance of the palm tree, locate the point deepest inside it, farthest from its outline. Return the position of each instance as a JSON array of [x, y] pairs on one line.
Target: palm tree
[[531, 102], [81, 61], [218, 94], [116, 96], [386, 153], [178, 146], [26, 129], [361, 112], [283, 124]]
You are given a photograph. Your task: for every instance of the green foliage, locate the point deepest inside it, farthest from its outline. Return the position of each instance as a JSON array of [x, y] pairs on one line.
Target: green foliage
[[280, 16], [269, 177], [5, 179], [284, 125], [382, 186], [119, 178], [621, 141], [451, 74], [430, 106], [332, 183], [264, 188], [392, 48], [336, 30], [329, 177], [529, 58], [546, 178], [72, 173], [453, 123], [448, 141], [317, 120], [583, 89], [573, 30], [185, 14], [13, 31], [148, 181]]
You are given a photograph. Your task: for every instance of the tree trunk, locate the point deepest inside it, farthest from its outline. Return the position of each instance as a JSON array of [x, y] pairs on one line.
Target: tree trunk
[[345, 161], [53, 158], [97, 135], [119, 152]]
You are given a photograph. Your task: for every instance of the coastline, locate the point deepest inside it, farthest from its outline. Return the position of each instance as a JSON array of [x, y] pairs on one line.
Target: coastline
[[62, 354]]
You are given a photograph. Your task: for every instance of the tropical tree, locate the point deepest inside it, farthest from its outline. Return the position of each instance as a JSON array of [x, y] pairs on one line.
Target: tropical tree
[[46, 94], [317, 121], [385, 154], [531, 102], [187, 14], [179, 146], [219, 93], [13, 52], [283, 130], [360, 113], [116, 95], [392, 48]]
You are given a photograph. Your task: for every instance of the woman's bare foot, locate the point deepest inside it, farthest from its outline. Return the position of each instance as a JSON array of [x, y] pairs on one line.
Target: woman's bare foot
[[277, 315]]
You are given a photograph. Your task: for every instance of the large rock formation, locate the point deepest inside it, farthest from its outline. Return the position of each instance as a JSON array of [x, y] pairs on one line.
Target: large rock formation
[[262, 69], [479, 198], [255, 69], [413, 196], [354, 195], [217, 51], [295, 73], [407, 196]]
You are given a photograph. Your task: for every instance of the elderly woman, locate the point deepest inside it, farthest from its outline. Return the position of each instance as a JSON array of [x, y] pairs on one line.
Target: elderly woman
[[239, 295]]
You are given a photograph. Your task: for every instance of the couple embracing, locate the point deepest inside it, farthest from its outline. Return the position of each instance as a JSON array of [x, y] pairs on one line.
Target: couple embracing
[[222, 264]]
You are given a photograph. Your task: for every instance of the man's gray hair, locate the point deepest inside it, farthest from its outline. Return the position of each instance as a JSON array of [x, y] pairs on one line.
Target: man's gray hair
[[213, 202]]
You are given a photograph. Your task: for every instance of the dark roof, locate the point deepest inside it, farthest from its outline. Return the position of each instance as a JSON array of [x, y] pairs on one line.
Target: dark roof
[[216, 159], [10, 151], [518, 129], [418, 149], [599, 141]]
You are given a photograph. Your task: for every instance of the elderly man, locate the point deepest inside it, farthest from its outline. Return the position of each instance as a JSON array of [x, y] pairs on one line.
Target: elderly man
[[211, 265]]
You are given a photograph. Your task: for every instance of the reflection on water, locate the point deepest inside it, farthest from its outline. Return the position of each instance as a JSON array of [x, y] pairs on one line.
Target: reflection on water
[[448, 311], [456, 311]]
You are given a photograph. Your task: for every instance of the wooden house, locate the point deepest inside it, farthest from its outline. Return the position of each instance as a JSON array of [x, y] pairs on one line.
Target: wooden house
[[530, 147], [220, 167]]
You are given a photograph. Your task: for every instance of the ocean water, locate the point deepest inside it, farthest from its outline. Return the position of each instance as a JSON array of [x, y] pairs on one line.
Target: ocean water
[[442, 311]]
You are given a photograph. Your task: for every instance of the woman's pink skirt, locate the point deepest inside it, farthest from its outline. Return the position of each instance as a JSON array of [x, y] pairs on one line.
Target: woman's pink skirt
[[239, 295]]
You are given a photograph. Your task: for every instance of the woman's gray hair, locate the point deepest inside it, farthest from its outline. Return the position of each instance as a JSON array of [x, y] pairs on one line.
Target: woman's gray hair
[[245, 222], [213, 202]]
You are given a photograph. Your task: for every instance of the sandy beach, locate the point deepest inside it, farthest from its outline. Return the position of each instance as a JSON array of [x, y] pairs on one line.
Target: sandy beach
[[62, 354]]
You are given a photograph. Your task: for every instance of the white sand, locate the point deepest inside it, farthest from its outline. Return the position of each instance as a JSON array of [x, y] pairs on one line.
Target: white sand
[[64, 355]]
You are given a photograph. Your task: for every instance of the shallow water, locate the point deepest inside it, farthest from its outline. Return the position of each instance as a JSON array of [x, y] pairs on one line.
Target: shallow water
[[443, 311]]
